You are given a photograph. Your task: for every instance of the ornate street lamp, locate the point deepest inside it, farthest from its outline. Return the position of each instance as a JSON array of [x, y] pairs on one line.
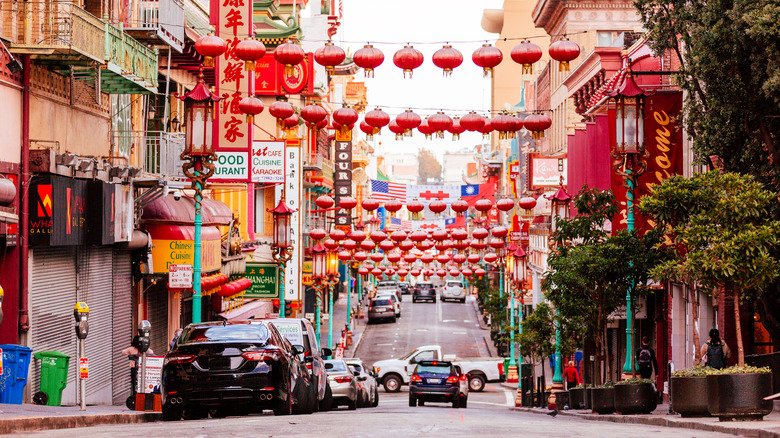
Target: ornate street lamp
[[332, 273], [560, 210], [197, 165], [629, 154], [518, 258], [281, 247], [319, 256]]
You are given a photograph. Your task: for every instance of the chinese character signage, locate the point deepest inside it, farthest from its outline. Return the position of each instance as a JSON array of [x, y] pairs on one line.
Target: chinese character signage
[[234, 23], [264, 278], [270, 79], [342, 177]]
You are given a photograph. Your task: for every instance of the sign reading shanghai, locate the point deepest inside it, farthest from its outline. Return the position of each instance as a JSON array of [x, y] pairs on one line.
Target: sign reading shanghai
[[264, 278]]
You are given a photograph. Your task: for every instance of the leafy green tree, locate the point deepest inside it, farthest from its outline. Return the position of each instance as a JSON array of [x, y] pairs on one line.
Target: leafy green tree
[[723, 228], [537, 341]]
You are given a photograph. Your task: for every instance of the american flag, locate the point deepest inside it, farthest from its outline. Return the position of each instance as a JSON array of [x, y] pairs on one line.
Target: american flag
[[400, 224], [385, 191]]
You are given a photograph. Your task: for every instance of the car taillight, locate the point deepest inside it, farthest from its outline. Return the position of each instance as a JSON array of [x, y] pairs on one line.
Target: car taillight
[[343, 379], [272, 355], [416, 378], [308, 366], [500, 368], [463, 377], [452, 379], [179, 358]]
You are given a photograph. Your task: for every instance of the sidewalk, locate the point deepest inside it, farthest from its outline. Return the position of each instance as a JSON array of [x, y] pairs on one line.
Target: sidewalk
[[339, 322], [768, 428], [31, 417]]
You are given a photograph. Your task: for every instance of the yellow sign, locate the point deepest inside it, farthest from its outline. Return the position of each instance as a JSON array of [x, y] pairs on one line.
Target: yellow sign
[[181, 252], [346, 136], [306, 279], [307, 266]]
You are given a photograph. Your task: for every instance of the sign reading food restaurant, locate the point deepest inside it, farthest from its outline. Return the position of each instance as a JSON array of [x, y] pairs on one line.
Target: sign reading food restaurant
[[231, 166]]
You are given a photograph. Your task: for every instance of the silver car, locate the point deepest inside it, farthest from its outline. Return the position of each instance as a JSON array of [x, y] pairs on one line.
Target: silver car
[[381, 308], [369, 396], [343, 383], [454, 290]]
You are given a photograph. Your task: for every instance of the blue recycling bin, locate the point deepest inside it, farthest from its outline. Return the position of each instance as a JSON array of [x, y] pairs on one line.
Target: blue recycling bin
[[16, 365]]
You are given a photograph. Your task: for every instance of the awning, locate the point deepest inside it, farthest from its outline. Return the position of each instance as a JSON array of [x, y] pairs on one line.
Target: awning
[[250, 309], [182, 211]]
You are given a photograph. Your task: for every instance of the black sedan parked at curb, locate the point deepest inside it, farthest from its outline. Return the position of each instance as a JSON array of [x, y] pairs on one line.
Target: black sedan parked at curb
[[235, 367]]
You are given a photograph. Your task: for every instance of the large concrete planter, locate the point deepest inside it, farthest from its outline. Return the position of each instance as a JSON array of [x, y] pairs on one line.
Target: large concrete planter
[[635, 398], [602, 400], [689, 396], [739, 396], [577, 398], [587, 397]]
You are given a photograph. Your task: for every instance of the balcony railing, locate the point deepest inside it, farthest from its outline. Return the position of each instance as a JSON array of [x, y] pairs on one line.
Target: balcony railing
[[135, 61], [52, 29], [162, 18], [157, 151]]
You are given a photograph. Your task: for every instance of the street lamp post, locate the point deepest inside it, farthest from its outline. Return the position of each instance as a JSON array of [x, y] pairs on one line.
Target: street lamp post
[[282, 247], [560, 210], [333, 272], [319, 274], [520, 263], [511, 372], [628, 156], [197, 165]]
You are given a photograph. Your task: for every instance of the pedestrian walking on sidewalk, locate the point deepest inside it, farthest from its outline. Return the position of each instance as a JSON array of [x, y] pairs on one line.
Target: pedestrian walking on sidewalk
[[572, 375], [645, 359], [715, 351]]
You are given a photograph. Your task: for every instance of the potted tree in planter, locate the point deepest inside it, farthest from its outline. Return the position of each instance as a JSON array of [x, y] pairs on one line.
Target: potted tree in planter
[[538, 333], [731, 241], [688, 392], [635, 396], [603, 398], [579, 396]]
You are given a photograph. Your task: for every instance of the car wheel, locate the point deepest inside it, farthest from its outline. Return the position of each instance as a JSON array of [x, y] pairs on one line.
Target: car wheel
[[284, 407], [463, 300], [455, 404], [327, 402], [464, 402], [170, 413], [376, 398], [392, 383], [393, 319], [352, 404], [414, 300], [476, 383], [311, 400], [194, 413], [412, 401], [421, 402], [218, 412]]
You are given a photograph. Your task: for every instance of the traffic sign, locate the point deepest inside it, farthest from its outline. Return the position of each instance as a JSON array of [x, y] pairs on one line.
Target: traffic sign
[[180, 276]]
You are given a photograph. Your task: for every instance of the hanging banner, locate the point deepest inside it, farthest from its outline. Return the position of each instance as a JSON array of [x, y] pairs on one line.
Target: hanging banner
[[58, 213], [270, 79], [292, 195]]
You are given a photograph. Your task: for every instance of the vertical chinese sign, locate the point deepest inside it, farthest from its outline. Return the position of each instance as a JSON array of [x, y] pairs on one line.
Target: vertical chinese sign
[[342, 178], [234, 23], [292, 196]]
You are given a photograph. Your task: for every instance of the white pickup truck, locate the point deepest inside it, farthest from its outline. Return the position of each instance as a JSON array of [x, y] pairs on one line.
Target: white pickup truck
[[393, 373]]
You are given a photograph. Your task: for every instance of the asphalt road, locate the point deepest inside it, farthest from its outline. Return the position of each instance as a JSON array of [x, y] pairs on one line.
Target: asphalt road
[[451, 325]]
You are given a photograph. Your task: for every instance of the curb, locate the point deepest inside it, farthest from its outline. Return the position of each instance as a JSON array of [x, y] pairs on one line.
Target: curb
[[663, 422], [29, 424], [356, 344]]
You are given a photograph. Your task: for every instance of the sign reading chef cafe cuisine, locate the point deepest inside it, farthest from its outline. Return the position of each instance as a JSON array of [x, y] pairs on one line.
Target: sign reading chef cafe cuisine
[[263, 164]]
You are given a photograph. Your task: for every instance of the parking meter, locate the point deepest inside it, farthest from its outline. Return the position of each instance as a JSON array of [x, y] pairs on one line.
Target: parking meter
[[144, 333], [81, 314]]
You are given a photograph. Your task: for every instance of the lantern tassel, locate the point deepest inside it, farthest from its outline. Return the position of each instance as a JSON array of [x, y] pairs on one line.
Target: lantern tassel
[[407, 72], [250, 118], [563, 66], [399, 136], [368, 73], [487, 72], [528, 68], [447, 73], [249, 66]]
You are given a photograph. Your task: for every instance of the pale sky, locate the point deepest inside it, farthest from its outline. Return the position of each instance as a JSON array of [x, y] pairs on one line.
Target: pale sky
[[427, 24]]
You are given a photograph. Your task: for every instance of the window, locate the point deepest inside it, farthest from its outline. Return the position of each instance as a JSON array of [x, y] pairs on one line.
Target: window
[[228, 333], [610, 38], [424, 355], [434, 369]]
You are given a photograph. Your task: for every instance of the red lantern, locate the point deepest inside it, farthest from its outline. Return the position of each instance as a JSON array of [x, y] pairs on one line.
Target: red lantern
[[537, 124], [527, 203], [505, 204], [395, 129], [398, 236], [447, 59], [472, 121], [439, 235], [483, 205], [408, 59], [386, 245], [338, 235], [460, 245], [426, 129], [322, 124], [479, 272], [249, 50], [317, 234], [370, 204], [408, 120], [473, 258], [441, 273], [486, 129], [376, 119], [210, 46], [437, 206], [367, 245], [368, 130], [313, 114], [526, 54], [466, 272], [459, 258], [330, 244], [347, 202], [402, 273], [407, 245], [349, 244], [360, 256], [393, 205], [329, 56], [415, 206], [487, 57], [456, 129], [459, 234], [443, 258], [345, 116], [376, 272], [415, 272], [363, 270], [454, 272], [281, 110], [499, 231], [393, 257], [424, 245], [410, 258], [344, 255], [291, 122], [444, 245], [459, 206], [289, 54], [497, 243], [490, 257], [324, 202], [377, 257], [368, 58], [251, 106], [428, 272], [378, 236], [506, 125], [440, 122], [426, 258], [357, 235], [564, 51]]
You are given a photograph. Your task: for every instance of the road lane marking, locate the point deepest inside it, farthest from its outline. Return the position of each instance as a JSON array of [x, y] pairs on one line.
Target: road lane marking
[[510, 400], [380, 345], [421, 330]]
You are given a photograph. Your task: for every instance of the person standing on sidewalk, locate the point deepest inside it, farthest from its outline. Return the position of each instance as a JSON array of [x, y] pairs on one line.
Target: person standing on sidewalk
[[645, 359], [715, 351], [572, 375]]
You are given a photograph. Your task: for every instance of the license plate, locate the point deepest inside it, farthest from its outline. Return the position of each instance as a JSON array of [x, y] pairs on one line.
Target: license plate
[[434, 380]]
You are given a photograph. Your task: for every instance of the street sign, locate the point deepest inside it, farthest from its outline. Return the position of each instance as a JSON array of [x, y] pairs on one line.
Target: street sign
[[84, 368], [640, 310], [153, 375], [264, 278], [180, 276]]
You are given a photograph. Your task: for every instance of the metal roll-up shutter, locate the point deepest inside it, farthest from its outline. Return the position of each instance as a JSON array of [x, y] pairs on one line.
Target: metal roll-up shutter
[[95, 287], [52, 297], [122, 324], [157, 312]]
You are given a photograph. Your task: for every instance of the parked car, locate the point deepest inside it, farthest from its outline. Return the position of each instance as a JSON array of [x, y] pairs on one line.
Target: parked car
[[343, 382], [299, 331], [388, 287], [381, 308], [234, 367], [435, 381], [395, 301], [405, 288], [394, 373], [463, 388], [366, 383], [454, 290], [424, 291]]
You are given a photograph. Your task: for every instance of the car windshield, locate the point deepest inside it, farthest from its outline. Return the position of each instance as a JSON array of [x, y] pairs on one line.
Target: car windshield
[[453, 284], [335, 366], [381, 303], [433, 369], [225, 333]]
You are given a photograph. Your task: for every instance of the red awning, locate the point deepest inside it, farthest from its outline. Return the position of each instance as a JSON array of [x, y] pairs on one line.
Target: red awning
[[182, 212]]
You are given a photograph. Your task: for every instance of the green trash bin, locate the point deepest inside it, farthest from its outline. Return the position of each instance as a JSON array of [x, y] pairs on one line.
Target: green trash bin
[[54, 377]]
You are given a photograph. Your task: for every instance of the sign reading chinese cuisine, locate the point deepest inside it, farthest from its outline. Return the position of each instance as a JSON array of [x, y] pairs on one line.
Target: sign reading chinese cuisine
[[234, 23]]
